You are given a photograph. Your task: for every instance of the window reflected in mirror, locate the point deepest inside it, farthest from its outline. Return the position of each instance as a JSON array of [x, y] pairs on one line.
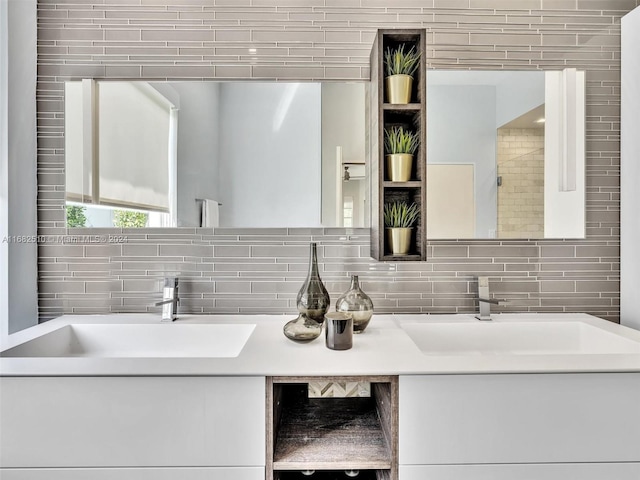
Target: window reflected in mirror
[[228, 154], [135, 127]]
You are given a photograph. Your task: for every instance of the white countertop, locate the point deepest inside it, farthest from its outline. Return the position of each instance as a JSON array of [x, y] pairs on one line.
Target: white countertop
[[383, 349]]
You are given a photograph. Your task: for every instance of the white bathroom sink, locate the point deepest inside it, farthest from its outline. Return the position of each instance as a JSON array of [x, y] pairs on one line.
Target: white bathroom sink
[[517, 338], [138, 340]]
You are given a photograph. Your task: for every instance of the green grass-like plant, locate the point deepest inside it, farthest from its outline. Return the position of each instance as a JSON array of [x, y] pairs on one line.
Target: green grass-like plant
[[398, 214], [399, 140], [129, 219], [76, 216], [397, 62]]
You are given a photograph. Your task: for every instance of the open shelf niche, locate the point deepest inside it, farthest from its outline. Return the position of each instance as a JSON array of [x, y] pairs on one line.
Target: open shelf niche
[[381, 116], [331, 435]]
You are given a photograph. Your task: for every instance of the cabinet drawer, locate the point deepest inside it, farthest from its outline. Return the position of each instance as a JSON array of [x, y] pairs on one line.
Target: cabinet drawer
[[132, 421], [213, 473], [455, 419], [590, 471]]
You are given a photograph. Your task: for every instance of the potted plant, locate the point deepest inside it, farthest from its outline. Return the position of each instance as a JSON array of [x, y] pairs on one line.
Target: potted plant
[[399, 219], [400, 145], [400, 67]]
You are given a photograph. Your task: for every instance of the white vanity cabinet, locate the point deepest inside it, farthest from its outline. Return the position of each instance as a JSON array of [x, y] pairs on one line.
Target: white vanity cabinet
[[173, 473], [127, 427], [525, 426]]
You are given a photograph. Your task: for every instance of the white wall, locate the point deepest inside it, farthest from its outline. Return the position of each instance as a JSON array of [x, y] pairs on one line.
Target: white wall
[[517, 93], [4, 171], [630, 172], [18, 261], [461, 128], [282, 146], [198, 148]]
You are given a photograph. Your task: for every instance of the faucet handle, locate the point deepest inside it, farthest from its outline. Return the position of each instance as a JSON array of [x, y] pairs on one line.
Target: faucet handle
[[164, 302], [484, 295], [495, 301]]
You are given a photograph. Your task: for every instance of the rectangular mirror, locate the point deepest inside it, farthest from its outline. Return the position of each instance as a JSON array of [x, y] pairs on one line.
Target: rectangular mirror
[[216, 154], [505, 154]]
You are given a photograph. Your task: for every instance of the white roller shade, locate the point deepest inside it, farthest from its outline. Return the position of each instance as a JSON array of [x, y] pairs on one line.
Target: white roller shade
[[134, 124], [130, 150], [73, 141]]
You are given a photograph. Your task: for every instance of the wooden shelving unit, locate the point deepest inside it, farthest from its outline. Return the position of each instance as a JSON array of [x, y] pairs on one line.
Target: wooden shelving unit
[[409, 107], [335, 433], [331, 435], [385, 115], [410, 184]]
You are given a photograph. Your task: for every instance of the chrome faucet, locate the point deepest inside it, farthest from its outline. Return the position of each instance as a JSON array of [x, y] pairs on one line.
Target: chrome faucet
[[484, 301], [170, 299]]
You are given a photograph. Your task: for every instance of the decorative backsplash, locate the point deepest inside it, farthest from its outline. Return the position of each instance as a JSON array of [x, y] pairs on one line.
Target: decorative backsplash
[[260, 271]]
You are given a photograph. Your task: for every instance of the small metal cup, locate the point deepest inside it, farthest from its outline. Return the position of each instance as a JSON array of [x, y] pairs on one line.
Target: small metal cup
[[338, 330]]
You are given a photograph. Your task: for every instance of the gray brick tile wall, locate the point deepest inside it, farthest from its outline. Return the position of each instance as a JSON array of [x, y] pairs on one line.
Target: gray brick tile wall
[[261, 270]]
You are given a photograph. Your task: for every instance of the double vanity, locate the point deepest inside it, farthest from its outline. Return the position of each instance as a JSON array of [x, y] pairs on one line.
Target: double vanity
[[443, 397]]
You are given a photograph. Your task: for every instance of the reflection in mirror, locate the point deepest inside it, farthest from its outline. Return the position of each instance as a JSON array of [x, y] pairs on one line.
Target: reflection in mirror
[[228, 154], [344, 180], [505, 154]]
